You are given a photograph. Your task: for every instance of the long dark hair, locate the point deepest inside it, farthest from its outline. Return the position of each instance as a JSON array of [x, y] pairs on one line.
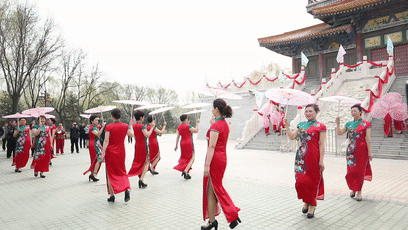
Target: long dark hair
[[225, 110]]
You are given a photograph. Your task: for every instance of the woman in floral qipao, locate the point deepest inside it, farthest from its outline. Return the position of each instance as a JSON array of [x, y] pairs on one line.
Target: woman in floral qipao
[[95, 148], [358, 151], [42, 153], [23, 145], [309, 159]]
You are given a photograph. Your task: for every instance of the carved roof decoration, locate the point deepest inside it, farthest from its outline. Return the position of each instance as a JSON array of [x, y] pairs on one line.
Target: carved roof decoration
[[319, 30], [345, 6]]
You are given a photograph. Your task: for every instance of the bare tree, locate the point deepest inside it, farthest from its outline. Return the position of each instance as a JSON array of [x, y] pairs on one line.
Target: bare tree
[[26, 45]]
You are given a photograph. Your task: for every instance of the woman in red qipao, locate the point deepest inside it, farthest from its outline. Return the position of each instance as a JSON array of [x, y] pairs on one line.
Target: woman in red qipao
[[185, 130], [154, 151], [358, 151], [94, 148], [42, 153], [309, 159], [388, 126], [51, 124], [113, 152], [141, 160], [59, 139], [399, 126], [23, 145], [214, 193]]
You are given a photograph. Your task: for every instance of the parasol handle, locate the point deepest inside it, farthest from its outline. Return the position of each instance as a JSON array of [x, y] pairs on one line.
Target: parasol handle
[[164, 120], [287, 105], [338, 109]]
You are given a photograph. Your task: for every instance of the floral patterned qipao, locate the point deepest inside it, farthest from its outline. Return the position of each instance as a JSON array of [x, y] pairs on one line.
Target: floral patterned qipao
[[309, 179], [358, 162], [42, 153], [23, 146], [94, 150]]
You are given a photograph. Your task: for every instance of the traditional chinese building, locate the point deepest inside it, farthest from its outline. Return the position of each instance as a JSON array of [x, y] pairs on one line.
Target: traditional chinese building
[[360, 26]]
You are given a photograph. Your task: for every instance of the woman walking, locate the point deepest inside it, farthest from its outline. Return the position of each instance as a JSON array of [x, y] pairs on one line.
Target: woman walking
[[214, 193], [113, 152], [141, 161], [154, 151], [60, 139], [309, 159], [42, 153], [358, 151], [185, 130], [23, 135], [94, 148]]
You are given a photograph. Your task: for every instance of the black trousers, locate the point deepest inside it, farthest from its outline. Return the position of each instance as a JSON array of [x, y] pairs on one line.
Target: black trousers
[[82, 141], [74, 141], [11, 148], [4, 143]]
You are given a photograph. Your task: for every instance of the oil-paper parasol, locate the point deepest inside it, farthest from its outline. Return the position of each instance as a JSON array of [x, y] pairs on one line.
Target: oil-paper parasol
[[289, 97], [341, 100]]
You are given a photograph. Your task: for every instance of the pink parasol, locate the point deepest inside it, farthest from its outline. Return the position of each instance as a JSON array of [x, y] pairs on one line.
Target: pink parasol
[[17, 115], [391, 99], [289, 97], [397, 112], [87, 116], [47, 116], [100, 109], [276, 118], [38, 111]]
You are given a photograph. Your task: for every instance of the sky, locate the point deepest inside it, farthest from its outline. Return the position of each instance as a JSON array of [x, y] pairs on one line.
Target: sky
[[181, 45]]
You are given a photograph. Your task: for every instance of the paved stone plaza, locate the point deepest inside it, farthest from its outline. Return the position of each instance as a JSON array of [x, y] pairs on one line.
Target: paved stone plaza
[[261, 183]]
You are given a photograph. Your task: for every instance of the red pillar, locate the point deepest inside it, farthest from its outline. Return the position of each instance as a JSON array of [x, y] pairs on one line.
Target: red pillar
[[359, 46], [293, 65], [321, 66]]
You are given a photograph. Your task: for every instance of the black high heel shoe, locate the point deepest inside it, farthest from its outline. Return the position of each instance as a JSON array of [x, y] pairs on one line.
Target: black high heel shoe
[[127, 195], [184, 174], [141, 184], [234, 223], [93, 178], [111, 199], [35, 174], [42, 176], [210, 225], [311, 215]]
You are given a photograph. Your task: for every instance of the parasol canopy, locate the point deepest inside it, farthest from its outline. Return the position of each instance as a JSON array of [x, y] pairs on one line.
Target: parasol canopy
[[87, 116], [195, 111], [276, 118], [390, 100], [196, 105], [341, 100], [38, 111], [398, 112], [131, 102], [161, 110], [151, 106], [235, 107], [100, 109], [289, 97], [17, 115]]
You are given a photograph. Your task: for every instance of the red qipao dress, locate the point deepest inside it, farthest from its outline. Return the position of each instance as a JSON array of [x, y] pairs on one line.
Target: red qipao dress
[[23, 146], [358, 162], [141, 150], [217, 169], [399, 125], [94, 150], [388, 126], [115, 157], [42, 152], [186, 147], [153, 145], [309, 179], [59, 141]]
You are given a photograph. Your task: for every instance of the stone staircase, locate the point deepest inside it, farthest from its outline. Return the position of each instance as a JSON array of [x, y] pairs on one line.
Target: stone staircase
[[312, 84], [390, 147], [271, 142]]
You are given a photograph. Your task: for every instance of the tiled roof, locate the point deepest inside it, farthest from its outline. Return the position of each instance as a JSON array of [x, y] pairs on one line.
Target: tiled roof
[[318, 30], [345, 5]]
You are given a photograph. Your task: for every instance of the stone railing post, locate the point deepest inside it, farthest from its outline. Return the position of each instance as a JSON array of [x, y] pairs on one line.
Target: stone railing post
[[365, 67]]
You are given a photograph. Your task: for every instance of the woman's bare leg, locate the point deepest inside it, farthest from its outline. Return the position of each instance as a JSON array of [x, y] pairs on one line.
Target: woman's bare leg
[[155, 162], [111, 193], [189, 164], [96, 168], [146, 167], [212, 203]]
